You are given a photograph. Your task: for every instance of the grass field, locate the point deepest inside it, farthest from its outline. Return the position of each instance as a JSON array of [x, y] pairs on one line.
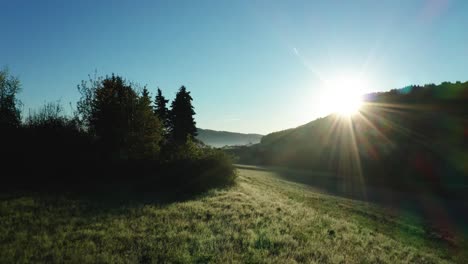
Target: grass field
[[262, 219]]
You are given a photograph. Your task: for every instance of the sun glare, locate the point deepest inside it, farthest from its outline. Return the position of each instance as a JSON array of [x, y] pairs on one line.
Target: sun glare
[[344, 94], [348, 106]]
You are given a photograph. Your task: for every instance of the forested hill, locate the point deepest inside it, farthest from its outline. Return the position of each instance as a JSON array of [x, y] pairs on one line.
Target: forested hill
[[223, 138], [449, 97], [399, 137]]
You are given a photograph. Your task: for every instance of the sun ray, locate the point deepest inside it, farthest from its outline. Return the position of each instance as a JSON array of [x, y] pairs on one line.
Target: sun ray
[[355, 155]]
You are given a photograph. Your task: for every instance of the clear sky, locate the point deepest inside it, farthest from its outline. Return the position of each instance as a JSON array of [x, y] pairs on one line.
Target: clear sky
[[252, 66]]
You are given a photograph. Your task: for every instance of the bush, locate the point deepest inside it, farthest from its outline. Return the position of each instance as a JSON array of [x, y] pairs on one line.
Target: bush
[[196, 168], [212, 169], [51, 135]]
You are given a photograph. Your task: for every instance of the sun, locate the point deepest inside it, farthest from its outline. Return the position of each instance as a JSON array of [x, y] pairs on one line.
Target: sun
[[348, 106], [347, 101], [343, 94]]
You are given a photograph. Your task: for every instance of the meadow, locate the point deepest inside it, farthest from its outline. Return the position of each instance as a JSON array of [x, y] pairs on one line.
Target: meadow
[[262, 219]]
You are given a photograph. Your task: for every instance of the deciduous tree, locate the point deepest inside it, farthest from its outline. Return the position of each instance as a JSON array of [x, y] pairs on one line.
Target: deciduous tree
[[10, 114]]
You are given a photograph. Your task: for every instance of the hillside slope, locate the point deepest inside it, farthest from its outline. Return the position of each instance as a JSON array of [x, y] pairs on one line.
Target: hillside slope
[[263, 219], [223, 138], [412, 141], [413, 135]]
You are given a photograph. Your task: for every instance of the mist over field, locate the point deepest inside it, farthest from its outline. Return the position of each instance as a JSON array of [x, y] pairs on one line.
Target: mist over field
[[223, 138]]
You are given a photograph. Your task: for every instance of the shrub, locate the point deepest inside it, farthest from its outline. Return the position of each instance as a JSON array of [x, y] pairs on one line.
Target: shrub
[[195, 168], [215, 169], [50, 135]]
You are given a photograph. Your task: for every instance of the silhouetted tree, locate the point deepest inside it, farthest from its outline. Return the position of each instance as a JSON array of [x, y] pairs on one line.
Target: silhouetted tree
[[112, 123], [114, 108], [10, 115], [146, 131], [122, 121], [84, 107], [161, 111], [182, 122]]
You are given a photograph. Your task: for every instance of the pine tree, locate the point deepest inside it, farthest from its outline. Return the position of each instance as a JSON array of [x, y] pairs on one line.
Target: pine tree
[[182, 122], [160, 109], [147, 130]]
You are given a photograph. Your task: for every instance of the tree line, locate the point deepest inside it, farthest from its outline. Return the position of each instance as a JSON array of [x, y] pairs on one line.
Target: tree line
[[129, 124], [117, 133]]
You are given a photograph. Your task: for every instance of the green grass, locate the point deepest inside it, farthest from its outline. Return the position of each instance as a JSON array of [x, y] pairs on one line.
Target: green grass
[[262, 219]]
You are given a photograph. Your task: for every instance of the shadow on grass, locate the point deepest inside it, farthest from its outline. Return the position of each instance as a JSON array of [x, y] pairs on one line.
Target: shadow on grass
[[115, 201], [111, 197], [115, 193]]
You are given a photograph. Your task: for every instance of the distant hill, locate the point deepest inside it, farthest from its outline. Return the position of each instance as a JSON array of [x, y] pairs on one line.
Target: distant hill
[[223, 138], [401, 138]]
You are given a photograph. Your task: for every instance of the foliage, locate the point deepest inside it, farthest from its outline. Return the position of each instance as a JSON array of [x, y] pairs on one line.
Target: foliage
[[215, 169], [10, 86], [195, 167], [122, 121], [88, 90], [50, 115], [201, 168], [161, 111], [115, 139], [146, 133], [182, 123], [50, 134]]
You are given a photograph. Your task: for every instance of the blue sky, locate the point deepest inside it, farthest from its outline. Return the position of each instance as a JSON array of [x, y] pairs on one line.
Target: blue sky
[[252, 66]]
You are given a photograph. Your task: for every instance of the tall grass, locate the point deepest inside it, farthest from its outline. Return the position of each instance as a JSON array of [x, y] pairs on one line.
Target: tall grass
[[262, 219]]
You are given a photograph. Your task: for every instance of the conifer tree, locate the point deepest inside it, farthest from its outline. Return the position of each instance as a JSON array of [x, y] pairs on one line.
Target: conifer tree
[[182, 123], [147, 131], [160, 109]]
